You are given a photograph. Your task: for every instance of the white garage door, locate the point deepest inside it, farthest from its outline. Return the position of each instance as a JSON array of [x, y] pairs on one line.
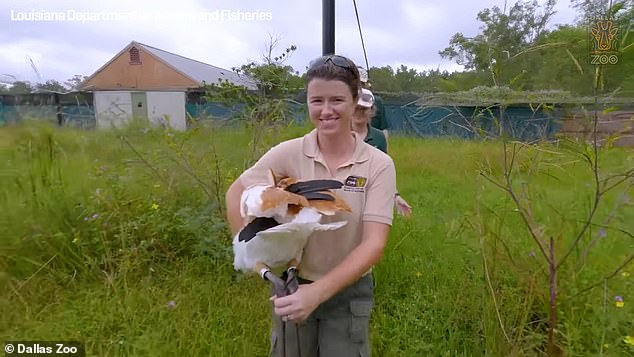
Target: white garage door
[[112, 108]]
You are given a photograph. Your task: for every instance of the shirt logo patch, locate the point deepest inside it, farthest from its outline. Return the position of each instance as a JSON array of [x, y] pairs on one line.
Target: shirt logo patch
[[355, 184]]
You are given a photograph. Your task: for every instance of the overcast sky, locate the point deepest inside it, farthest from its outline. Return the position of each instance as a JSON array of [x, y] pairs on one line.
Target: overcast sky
[[87, 34]]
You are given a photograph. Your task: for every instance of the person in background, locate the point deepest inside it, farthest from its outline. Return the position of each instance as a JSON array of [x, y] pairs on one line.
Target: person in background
[[379, 118], [329, 314], [373, 136], [361, 121]]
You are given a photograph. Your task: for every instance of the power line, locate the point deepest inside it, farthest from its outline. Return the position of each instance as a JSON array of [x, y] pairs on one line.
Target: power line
[[367, 66]]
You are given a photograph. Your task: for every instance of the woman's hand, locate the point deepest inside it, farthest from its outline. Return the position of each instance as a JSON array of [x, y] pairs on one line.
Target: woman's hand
[[297, 306], [402, 207]]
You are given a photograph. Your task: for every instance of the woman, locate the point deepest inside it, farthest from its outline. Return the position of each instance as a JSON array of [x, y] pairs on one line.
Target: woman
[[361, 121], [330, 311], [375, 137]]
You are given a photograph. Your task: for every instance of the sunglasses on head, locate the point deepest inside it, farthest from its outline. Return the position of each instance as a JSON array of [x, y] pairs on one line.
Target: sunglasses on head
[[337, 60]]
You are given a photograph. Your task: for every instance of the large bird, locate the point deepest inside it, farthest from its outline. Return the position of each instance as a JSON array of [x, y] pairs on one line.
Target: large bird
[[282, 215]]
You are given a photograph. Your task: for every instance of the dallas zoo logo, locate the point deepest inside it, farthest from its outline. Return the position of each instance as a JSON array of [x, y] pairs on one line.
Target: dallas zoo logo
[[603, 42]]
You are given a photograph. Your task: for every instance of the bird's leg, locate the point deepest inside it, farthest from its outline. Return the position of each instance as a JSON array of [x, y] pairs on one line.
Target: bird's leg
[[292, 284], [261, 269], [293, 264], [278, 284]]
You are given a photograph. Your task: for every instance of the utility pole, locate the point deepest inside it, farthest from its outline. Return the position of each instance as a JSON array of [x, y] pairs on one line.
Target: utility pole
[[328, 27]]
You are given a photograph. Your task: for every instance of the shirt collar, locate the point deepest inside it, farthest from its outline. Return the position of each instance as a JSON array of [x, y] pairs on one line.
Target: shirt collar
[[311, 149]]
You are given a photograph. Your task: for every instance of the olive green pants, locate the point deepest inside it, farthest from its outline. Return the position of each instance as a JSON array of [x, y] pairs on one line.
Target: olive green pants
[[338, 327]]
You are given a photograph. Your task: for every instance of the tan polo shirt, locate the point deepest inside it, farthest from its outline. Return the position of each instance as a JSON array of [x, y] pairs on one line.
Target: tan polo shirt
[[369, 180]]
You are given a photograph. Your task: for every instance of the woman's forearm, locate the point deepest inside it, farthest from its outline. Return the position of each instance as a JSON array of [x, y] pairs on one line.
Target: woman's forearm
[[232, 200]]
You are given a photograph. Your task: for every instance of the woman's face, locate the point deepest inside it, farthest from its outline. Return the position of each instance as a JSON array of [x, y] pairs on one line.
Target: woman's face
[[330, 106]]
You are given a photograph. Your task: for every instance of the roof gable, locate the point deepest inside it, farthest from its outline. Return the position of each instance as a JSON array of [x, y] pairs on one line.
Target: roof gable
[[196, 71]]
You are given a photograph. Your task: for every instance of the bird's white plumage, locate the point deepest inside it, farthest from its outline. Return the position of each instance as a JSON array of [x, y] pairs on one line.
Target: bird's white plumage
[[251, 203], [278, 245]]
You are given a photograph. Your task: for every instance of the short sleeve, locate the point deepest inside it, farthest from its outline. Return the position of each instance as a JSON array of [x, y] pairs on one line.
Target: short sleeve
[[379, 204]]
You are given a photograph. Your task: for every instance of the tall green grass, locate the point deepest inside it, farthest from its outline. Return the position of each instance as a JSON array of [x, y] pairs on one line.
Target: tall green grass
[[118, 239]]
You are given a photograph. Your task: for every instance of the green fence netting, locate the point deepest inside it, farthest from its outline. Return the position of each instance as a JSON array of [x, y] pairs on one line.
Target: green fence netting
[[520, 121]]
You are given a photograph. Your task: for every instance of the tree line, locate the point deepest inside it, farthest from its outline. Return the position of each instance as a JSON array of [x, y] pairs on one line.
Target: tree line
[[24, 87], [514, 48]]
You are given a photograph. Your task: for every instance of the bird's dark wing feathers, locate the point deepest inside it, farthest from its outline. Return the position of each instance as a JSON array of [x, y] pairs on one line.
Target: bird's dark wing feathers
[[257, 225], [303, 187], [318, 196]]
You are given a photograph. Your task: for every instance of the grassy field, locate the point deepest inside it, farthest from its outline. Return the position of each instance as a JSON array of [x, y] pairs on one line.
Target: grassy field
[[118, 239]]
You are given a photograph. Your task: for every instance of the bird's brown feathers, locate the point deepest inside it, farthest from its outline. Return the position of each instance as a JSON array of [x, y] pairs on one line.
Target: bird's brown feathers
[[276, 195], [273, 197]]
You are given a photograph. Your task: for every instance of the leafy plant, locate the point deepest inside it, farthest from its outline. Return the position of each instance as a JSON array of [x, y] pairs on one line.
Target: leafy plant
[[267, 107], [564, 234]]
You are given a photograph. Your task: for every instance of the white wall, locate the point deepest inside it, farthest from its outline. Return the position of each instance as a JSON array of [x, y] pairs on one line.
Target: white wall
[[112, 108], [167, 108]]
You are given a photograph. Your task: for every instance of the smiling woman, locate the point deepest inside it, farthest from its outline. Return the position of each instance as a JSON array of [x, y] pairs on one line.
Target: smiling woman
[[329, 313]]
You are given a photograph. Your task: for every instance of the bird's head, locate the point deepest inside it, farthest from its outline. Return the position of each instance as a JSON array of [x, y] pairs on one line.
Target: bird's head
[[285, 182], [281, 181]]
